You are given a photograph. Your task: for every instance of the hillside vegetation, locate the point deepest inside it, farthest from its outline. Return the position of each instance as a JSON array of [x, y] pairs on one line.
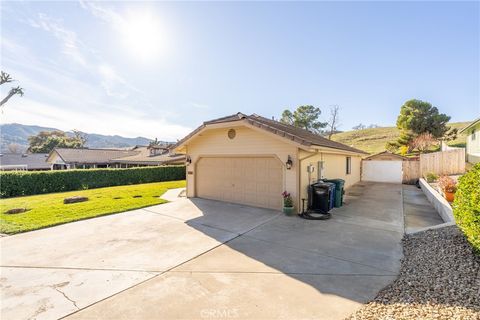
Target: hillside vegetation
[[374, 140]]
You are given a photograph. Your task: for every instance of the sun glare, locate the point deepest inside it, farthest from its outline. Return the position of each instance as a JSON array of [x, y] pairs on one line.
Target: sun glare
[[142, 34]]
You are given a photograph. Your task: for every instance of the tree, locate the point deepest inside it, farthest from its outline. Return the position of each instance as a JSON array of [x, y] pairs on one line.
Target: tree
[[46, 141], [305, 117], [423, 142], [359, 126], [14, 148], [80, 136], [419, 117], [334, 121], [6, 78]]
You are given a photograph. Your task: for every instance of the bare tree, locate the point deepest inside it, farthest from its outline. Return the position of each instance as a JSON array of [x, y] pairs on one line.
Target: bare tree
[[423, 142], [360, 126], [14, 148], [334, 121], [6, 78]]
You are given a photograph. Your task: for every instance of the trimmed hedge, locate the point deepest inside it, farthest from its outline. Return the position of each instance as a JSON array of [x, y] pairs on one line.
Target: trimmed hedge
[[23, 183], [466, 207]]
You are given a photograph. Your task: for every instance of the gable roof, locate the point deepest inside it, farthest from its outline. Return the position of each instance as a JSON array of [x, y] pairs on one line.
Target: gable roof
[[386, 152], [31, 160], [298, 135], [474, 122], [84, 155]]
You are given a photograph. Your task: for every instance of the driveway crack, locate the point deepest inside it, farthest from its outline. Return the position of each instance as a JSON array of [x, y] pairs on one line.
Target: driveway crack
[[66, 297]]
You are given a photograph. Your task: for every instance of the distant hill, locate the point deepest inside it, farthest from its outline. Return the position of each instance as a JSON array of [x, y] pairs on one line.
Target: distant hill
[[374, 140], [19, 133]]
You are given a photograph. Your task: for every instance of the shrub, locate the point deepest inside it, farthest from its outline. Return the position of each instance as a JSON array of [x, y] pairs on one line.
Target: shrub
[[466, 207], [23, 183], [447, 184], [431, 177]]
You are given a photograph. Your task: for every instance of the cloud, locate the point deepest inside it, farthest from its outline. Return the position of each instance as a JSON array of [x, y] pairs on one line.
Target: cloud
[[28, 111], [71, 44]]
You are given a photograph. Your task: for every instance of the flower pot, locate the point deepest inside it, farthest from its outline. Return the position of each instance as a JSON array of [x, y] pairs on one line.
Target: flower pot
[[450, 196], [288, 211]]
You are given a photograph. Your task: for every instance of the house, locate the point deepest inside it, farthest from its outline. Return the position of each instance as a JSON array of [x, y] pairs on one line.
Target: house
[[473, 141], [139, 156], [24, 161], [249, 159]]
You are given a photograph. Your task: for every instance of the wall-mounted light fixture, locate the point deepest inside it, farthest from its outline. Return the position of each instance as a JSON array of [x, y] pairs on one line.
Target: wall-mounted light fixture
[[188, 160], [289, 163]]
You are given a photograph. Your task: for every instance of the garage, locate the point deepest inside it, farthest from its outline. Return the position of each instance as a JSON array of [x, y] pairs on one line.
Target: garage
[[383, 167], [252, 160], [255, 181]]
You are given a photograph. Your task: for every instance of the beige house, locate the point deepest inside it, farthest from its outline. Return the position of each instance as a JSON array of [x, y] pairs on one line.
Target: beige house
[[473, 141], [251, 160]]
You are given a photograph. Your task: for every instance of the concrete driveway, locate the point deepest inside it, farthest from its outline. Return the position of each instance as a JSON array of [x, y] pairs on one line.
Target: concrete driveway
[[201, 259]]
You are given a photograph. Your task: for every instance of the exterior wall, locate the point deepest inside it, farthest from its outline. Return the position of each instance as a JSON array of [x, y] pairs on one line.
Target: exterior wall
[[247, 142], [334, 167], [473, 146]]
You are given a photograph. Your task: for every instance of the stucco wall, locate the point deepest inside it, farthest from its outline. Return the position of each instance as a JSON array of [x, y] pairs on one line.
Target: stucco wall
[[248, 142], [334, 167]]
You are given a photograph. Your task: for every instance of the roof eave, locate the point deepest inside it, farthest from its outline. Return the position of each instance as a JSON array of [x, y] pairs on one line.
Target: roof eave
[[470, 125]]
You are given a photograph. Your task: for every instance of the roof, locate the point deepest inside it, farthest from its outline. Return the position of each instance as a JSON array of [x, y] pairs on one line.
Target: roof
[[31, 160], [144, 157], [84, 155], [386, 152], [476, 121], [298, 135]]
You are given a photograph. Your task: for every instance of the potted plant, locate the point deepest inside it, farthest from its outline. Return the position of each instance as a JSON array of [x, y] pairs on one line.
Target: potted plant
[[287, 203], [448, 186]]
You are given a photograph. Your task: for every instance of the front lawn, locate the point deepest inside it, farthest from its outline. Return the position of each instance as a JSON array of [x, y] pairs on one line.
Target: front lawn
[[48, 209]]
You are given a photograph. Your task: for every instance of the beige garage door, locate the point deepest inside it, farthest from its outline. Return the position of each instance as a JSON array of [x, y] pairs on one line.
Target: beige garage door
[[255, 181]]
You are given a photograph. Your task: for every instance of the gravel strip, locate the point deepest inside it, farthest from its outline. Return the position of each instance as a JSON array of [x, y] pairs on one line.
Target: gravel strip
[[439, 279]]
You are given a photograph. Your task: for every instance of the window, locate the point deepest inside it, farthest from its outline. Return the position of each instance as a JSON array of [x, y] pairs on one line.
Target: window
[[473, 134], [348, 165]]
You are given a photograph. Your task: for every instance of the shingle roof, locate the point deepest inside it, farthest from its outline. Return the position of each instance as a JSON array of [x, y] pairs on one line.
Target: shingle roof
[[286, 131], [31, 160], [85, 155], [144, 157]]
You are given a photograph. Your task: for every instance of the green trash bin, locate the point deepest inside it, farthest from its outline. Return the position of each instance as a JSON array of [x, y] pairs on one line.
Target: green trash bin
[[339, 183]]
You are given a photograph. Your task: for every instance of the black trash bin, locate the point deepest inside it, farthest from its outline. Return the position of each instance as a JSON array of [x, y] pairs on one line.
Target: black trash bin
[[339, 183], [320, 197]]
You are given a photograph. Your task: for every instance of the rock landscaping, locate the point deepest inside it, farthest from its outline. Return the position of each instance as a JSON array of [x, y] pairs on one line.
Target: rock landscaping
[[439, 279]]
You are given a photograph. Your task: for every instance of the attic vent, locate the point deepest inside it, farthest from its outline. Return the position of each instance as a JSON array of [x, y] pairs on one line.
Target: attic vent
[[231, 133]]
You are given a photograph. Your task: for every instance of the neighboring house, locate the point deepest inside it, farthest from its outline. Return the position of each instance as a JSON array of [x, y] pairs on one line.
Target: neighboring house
[[84, 158], [473, 141], [251, 160], [24, 161], [152, 156]]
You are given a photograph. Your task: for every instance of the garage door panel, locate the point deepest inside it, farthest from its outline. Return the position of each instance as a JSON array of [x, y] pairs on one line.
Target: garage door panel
[[382, 171], [256, 181]]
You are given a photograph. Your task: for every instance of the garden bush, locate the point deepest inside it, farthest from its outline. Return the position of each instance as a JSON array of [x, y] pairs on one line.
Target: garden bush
[[466, 207], [23, 183]]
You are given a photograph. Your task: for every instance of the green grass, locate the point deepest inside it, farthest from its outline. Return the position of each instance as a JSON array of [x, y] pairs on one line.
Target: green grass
[[374, 140], [48, 209]]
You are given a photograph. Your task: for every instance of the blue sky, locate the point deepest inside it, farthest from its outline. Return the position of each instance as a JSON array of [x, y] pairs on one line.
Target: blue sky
[[160, 69]]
